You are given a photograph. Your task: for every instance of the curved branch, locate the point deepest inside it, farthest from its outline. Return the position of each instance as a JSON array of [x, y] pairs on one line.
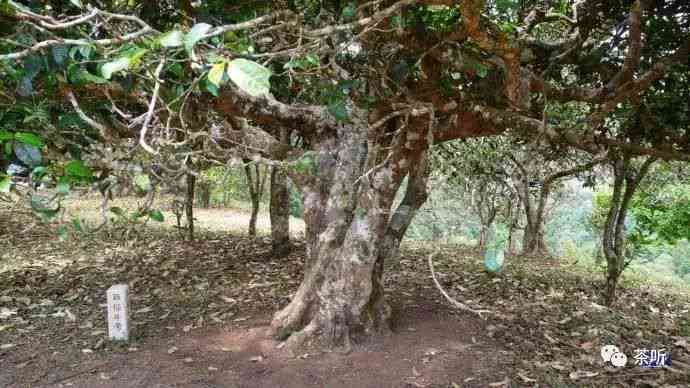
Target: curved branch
[[454, 302]]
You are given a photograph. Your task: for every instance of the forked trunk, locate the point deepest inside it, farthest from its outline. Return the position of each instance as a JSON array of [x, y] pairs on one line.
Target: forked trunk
[[533, 243], [626, 181]]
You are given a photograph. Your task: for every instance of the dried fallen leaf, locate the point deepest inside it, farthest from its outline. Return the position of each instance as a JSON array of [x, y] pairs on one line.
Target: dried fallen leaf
[[526, 379], [172, 349], [503, 383], [582, 374]]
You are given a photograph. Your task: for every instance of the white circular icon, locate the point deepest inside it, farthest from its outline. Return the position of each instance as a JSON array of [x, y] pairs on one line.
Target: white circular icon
[[607, 351], [619, 360]]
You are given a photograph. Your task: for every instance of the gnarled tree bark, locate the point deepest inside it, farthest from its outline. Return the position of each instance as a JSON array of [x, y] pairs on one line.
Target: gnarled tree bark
[[348, 196]]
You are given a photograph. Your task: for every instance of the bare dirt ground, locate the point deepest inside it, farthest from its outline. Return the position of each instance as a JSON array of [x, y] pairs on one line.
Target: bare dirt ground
[[200, 310]]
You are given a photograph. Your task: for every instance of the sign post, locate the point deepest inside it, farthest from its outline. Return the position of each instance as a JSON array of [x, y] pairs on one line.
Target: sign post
[[118, 312]]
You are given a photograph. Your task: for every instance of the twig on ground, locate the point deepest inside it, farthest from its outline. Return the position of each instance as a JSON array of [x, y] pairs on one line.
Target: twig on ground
[[454, 302]]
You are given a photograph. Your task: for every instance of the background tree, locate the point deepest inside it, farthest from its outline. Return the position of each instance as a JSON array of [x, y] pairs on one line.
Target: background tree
[[279, 208], [256, 180]]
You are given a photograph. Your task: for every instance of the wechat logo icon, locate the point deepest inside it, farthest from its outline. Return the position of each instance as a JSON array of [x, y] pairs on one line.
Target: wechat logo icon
[[611, 353]]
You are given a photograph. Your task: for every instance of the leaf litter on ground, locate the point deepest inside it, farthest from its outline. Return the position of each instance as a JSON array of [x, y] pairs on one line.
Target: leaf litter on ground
[[547, 316]]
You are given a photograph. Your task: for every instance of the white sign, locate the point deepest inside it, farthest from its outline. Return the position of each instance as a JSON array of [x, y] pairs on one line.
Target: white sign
[[118, 312]]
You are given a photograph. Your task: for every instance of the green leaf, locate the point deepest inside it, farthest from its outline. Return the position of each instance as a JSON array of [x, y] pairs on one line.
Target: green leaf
[[28, 154], [38, 172], [349, 11], [8, 148], [76, 223], [60, 54], [156, 215], [63, 186], [143, 182], [194, 35], [77, 3], [249, 76], [215, 75], [173, 38], [29, 138], [135, 56], [177, 70], [5, 184], [41, 205], [338, 110], [6, 135], [78, 75], [482, 70], [119, 64], [62, 233], [76, 169], [306, 164], [211, 88], [303, 63], [85, 52]]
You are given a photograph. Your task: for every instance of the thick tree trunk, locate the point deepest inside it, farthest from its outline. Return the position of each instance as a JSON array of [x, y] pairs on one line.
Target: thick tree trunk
[[347, 202], [533, 242], [512, 241], [279, 209], [189, 205]]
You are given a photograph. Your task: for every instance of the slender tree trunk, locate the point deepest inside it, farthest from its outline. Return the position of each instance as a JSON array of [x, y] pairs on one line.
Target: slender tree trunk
[[189, 205], [626, 181], [513, 219], [256, 188], [279, 209], [487, 224], [204, 189], [224, 186]]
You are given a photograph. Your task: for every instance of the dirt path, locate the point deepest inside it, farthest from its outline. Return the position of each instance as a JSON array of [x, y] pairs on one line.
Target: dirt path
[[427, 349]]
